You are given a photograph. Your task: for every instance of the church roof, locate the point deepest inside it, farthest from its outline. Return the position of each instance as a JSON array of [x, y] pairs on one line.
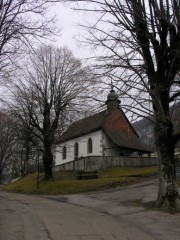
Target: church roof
[[84, 126], [126, 141], [115, 125]]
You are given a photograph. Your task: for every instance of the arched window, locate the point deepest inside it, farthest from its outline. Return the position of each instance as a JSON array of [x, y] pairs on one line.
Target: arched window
[[76, 150], [64, 151], [89, 146]]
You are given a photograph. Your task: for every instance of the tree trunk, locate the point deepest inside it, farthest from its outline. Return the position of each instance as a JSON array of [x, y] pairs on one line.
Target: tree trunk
[[25, 162], [48, 160], [168, 196], [1, 176]]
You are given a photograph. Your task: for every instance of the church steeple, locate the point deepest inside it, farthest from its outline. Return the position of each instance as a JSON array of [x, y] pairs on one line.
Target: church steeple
[[112, 101]]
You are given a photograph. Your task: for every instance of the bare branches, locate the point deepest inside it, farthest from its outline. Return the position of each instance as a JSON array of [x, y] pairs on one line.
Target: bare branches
[[22, 22], [137, 38], [7, 140], [172, 98], [51, 84]]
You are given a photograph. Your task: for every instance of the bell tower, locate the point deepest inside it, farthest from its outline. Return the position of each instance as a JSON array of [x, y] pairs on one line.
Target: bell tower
[[112, 101]]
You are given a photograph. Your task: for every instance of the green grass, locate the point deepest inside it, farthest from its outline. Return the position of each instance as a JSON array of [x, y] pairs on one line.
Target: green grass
[[129, 172], [66, 183]]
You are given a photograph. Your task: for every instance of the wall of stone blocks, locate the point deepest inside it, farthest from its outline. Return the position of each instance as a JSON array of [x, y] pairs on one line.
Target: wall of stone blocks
[[92, 163]]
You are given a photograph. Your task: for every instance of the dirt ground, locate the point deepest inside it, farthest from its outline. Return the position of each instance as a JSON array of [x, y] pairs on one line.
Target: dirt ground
[[106, 215]]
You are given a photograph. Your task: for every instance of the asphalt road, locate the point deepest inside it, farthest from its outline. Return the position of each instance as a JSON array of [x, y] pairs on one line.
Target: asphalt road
[[116, 214]]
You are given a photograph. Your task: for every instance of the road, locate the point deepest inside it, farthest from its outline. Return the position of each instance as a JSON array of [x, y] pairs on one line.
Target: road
[[107, 215]]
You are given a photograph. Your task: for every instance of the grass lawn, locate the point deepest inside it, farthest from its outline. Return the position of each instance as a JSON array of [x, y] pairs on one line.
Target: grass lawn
[[65, 182]]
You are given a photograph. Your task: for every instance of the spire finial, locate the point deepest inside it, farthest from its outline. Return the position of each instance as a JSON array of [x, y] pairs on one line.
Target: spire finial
[[112, 86], [112, 101]]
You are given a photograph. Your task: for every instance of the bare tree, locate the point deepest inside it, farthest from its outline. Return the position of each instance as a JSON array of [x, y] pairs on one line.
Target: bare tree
[[7, 143], [141, 42], [27, 144], [22, 22], [52, 82]]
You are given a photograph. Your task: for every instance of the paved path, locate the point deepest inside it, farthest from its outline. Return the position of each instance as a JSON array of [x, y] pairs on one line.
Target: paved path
[[127, 204], [108, 215]]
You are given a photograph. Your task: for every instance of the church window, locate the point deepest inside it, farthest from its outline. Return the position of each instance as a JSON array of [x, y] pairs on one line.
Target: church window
[[76, 150], [64, 151], [89, 146]]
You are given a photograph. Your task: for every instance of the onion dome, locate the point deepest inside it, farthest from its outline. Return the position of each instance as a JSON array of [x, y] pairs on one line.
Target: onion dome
[[112, 95], [112, 101]]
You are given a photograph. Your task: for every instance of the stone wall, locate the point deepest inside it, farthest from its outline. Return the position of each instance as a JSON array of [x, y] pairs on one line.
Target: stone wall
[[92, 163]]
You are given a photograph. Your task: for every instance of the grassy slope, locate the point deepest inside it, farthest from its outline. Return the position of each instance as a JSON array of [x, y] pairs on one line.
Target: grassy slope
[[66, 183]]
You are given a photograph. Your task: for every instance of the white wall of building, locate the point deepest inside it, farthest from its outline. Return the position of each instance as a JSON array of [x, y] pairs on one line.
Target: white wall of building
[[82, 141], [109, 148]]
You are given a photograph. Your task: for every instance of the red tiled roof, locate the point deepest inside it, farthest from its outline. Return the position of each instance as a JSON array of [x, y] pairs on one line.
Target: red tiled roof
[[115, 125], [126, 141]]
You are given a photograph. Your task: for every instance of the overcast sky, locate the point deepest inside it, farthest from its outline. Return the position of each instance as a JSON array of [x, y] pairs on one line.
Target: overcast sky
[[68, 20]]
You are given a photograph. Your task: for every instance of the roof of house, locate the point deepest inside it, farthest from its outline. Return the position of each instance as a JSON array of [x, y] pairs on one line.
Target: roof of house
[[126, 141], [115, 125], [85, 126]]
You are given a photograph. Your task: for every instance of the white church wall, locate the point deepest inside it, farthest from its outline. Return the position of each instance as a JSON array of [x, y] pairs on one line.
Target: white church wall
[[109, 147], [82, 142]]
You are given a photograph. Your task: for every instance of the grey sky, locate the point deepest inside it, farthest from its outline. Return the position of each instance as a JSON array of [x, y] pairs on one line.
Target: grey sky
[[67, 20]]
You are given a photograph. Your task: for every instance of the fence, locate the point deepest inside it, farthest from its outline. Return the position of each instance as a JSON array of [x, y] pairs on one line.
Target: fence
[[92, 163]]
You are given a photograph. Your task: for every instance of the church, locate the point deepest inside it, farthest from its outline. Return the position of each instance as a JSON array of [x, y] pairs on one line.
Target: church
[[107, 133]]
